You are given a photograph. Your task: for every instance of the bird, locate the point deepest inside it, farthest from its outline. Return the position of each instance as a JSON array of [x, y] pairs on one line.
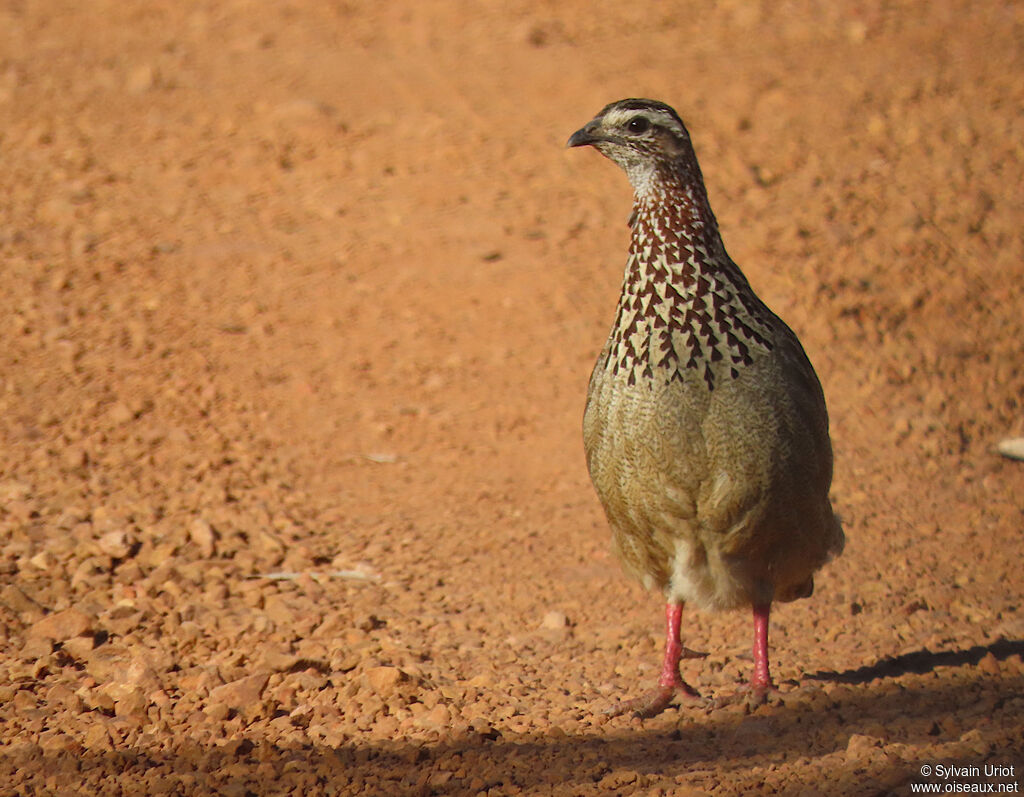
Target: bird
[[705, 429]]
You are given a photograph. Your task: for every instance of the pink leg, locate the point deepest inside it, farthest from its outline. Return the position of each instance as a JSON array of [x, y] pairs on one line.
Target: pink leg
[[670, 682], [760, 689], [762, 679]]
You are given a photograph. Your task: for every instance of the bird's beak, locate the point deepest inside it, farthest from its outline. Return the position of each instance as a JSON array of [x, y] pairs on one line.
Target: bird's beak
[[590, 133]]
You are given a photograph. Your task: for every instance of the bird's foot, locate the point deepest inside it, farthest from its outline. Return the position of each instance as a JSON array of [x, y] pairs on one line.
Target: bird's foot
[[750, 696], [652, 703]]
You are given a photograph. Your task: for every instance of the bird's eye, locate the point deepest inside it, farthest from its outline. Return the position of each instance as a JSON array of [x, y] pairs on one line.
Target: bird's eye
[[638, 124]]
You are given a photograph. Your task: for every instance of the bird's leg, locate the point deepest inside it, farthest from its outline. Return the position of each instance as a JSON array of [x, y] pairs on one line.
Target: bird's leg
[[760, 689], [670, 683], [762, 679]]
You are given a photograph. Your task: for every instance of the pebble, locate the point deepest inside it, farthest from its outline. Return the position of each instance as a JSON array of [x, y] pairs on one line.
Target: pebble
[[202, 534], [861, 746], [384, 680], [18, 601], [61, 626], [97, 738], [437, 718], [989, 664], [238, 694], [115, 544], [1012, 448], [976, 742], [115, 664], [140, 79]]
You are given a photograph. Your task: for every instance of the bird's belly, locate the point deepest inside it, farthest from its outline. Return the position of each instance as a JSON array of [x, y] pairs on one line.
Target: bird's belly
[[646, 470], [702, 520]]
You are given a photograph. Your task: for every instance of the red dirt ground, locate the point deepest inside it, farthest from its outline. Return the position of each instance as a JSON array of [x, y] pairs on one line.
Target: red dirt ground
[[314, 289]]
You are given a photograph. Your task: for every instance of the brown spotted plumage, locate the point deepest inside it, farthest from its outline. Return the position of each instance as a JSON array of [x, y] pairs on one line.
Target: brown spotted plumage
[[705, 428]]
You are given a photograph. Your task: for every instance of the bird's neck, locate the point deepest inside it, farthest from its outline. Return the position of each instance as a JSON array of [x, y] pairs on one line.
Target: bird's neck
[[685, 305], [673, 224]]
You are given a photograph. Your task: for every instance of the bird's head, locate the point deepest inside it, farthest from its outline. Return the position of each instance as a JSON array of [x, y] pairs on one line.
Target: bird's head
[[645, 137]]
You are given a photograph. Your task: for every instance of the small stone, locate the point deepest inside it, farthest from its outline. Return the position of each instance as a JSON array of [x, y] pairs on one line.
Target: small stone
[[201, 533], [64, 695], [989, 664], [277, 609], [24, 701], [129, 702], [554, 620], [217, 711], [74, 457], [44, 560], [976, 743], [78, 647], [115, 544], [56, 742], [437, 718], [1012, 447], [97, 738], [384, 680], [141, 79], [240, 693], [61, 626], [386, 727], [96, 699], [856, 32], [860, 746], [120, 413], [18, 601], [14, 491], [115, 664], [36, 648], [277, 660]]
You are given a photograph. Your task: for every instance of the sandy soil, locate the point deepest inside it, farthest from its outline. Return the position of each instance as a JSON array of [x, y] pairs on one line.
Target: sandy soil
[[299, 305]]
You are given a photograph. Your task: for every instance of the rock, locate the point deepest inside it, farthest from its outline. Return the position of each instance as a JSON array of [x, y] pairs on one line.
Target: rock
[[384, 680], [975, 741], [97, 737], [141, 79], [240, 693], [554, 621], [63, 694], [115, 664], [202, 534], [277, 660], [860, 747], [129, 701], [437, 718], [1012, 448], [12, 490], [218, 711], [115, 544], [120, 414], [35, 648], [96, 699], [989, 664], [44, 560], [79, 647], [277, 609], [19, 602], [24, 701], [61, 626]]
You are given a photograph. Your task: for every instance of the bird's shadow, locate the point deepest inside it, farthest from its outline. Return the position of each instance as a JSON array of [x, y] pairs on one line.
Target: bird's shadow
[[921, 661], [622, 757]]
